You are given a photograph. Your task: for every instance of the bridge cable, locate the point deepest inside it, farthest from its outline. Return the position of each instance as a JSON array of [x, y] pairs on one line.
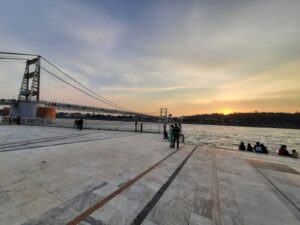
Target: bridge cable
[[15, 53], [102, 99], [61, 79], [12, 58], [81, 84], [35, 55]]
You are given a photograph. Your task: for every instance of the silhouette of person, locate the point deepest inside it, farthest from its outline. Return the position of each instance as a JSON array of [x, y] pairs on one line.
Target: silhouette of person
[[76, 124], [165, 131], [264, 149], [176, 132], [283, 151], [249, 148], [242, 147], [257, 147], [295, 154], [80, 124], [171, 135], [141, 126], [181, 133], [10, 120], [135, 126], [19, 120]]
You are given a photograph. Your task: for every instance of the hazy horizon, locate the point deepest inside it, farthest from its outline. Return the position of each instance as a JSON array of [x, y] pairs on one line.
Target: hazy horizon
[[193, 57]]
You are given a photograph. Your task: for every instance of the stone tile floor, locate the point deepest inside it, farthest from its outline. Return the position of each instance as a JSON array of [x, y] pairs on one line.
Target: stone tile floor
[[53, 175]]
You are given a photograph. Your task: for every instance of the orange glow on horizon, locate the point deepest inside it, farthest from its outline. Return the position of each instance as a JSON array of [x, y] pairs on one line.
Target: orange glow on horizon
[[226, 111]]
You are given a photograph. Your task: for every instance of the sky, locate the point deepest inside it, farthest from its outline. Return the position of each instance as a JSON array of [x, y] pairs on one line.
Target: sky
[[190, 56]]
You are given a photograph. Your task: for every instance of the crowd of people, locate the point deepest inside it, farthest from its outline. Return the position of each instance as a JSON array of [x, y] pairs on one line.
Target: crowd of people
[[172, 135], [136, 125], [261, 148], [258, 148], [175, 132]]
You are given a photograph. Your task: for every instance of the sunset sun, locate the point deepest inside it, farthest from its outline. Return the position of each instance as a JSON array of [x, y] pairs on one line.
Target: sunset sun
[[226, 111]]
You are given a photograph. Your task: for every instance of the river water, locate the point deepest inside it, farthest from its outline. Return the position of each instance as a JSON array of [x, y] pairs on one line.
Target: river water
[[224, 137], [229, 137], [221, 137]]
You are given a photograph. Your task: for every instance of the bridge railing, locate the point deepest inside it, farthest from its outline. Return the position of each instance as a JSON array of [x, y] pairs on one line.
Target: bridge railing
[[111, 125], [77, 108]]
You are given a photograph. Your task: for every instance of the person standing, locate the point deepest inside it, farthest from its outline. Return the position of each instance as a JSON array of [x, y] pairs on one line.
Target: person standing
[[10, 120], [19, 120], [171, 135], [76, 123], [80, 124], [141, 130], [181, 132], [135, 126], [165, 131], [176, 132]]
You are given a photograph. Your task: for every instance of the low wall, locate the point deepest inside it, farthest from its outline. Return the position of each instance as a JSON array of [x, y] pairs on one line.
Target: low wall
[[90, 124]]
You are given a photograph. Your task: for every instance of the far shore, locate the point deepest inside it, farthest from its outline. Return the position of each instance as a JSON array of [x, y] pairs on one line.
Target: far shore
[[245, 125]]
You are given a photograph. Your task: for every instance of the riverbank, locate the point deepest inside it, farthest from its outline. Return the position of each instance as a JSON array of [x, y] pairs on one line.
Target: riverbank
[[57, 176], [248, 125], [256, 119], [212, 136]]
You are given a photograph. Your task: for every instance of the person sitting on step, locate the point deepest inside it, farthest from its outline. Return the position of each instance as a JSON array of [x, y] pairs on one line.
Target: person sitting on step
[[264, 149], [258, 148], [242, 147], [249, 148], [294, 154], [283, 151]]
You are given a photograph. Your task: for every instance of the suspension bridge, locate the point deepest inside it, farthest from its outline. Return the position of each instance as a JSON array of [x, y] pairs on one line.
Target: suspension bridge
[[45, 84]]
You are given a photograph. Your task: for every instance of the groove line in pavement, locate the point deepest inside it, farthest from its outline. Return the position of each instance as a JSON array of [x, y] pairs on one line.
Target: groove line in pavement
[[150, 205], [281, 195], [99, 204], [216, 212], [64, 143]]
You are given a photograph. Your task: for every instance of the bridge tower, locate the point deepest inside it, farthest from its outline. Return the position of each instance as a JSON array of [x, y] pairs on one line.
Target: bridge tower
[[163, 115], [30, 87], [29, 96]]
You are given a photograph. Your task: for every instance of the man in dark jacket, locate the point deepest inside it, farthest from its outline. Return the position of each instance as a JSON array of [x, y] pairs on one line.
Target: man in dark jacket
[[141, 126], [176, 132], [80, 124]]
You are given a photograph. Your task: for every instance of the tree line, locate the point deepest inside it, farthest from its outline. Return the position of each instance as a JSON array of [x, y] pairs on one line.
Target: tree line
[[264, 119]]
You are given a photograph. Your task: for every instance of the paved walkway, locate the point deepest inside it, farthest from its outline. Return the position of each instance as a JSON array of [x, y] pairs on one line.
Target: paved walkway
[[64, 176]]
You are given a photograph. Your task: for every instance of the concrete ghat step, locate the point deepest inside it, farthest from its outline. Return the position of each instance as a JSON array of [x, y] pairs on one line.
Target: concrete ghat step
[[188, 200], [213, 187], [127, 205], [97, 191], [249, 196]]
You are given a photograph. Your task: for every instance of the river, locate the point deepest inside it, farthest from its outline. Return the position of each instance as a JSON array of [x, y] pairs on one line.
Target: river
[[221, 137], [229, 137]]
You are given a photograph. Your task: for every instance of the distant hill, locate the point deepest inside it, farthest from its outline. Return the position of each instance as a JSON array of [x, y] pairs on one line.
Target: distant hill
[[279, 120]]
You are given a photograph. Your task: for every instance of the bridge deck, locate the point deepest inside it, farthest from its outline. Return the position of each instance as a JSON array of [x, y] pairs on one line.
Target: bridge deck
[[77, 108], [60, 176]]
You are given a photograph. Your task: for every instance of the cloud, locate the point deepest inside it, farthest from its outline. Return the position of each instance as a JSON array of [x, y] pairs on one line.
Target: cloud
[[199, 55]]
